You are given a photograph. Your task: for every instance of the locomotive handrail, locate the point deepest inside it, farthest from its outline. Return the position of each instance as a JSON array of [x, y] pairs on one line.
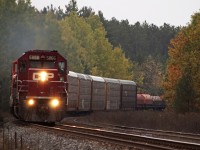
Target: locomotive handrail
[[37, 81], [26, 81], [59, 81], [40, 97], [19, 81], [67, 96]]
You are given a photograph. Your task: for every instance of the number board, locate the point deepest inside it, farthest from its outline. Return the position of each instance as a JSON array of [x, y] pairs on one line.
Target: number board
[[36, 57], [50, 57]]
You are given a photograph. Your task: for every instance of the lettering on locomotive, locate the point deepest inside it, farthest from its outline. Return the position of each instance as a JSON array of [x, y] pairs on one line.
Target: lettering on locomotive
[[42, 57], [37, 76]]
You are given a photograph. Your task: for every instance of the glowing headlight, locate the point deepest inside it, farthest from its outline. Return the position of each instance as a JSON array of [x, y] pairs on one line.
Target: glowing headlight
[[54, 102], [31, 102], [43, 76]]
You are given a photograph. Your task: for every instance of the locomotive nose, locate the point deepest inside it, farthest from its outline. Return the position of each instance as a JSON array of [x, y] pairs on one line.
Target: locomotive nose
[[43, 76]]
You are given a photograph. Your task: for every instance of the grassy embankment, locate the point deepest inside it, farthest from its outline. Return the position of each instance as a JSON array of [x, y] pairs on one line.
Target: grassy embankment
[[189, 122]]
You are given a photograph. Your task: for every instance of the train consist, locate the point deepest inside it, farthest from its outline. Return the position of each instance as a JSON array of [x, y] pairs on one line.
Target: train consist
[[90, 93], [43, 90], [39, 86]]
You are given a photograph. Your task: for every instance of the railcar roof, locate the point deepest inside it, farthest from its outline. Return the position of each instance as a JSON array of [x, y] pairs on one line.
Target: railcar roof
[[84, 76], [72, 74], [110, 80], [97, 78], [100, 79], [128, 82]]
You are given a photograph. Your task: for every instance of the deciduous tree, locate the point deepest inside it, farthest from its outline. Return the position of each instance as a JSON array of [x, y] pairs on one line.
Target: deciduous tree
[[184, 54]]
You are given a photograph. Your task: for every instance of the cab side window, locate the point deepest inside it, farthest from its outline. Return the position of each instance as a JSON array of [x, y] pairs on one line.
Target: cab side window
[[22, 67], [61, 67]]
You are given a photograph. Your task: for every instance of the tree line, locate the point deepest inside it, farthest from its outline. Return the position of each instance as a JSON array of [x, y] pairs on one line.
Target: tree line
[[182, 83], [91, 44]]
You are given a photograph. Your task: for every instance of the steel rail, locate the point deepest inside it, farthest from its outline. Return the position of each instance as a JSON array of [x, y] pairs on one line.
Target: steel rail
[[130, 140], [140, 138], [116, 140], [170, 134]]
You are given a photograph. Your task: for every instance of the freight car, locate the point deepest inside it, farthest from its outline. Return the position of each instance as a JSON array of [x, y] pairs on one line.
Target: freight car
[[91, 93], [39, 86], [146, 101]]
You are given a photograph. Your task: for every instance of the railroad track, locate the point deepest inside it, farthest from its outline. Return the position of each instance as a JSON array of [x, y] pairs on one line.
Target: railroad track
[[126, 139], [186, 137]]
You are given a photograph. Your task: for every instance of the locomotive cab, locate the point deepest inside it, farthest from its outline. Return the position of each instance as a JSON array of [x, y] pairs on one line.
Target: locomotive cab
[[39, 86]]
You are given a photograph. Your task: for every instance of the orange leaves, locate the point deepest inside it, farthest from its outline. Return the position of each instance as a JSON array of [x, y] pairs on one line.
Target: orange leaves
[[177, 45], [174, 73], [184, 53]]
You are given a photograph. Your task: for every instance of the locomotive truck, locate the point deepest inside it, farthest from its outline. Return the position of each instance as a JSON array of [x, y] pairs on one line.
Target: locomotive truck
[[39, 86]]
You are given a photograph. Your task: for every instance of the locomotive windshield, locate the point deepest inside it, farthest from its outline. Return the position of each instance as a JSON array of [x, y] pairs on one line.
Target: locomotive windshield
[[42, 64]]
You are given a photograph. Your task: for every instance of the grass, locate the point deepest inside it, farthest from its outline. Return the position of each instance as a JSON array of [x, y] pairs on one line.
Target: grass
[[149, 119]]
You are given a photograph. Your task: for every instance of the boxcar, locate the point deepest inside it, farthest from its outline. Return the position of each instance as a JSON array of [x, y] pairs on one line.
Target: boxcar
[[98, 100], [113, 94], [79, 92], [129, 94], [91, 93]]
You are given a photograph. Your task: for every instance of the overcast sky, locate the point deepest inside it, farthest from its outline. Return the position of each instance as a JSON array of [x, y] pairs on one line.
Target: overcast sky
[[173, 12]]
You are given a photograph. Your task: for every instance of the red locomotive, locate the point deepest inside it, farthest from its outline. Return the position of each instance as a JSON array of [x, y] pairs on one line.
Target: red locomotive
[[39, 86]]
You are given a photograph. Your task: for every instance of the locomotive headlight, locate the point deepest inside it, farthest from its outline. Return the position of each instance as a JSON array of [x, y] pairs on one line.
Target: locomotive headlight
[[43, 76], [54, 103], [31, 102]]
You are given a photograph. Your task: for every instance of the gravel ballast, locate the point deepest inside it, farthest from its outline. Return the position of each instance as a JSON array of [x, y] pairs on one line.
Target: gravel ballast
[[26, 137]]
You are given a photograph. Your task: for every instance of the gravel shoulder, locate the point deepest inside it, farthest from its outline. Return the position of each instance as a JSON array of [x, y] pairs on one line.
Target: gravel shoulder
[[29, 138], [19, 135]]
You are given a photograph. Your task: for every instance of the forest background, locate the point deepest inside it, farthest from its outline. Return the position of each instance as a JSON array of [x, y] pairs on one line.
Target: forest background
[[140, 52]]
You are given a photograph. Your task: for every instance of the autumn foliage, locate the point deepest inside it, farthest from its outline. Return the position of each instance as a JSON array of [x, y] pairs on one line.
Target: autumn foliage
[[183, 71]]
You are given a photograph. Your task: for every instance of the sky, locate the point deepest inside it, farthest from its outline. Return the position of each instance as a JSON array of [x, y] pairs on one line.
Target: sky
[[158, 12]]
